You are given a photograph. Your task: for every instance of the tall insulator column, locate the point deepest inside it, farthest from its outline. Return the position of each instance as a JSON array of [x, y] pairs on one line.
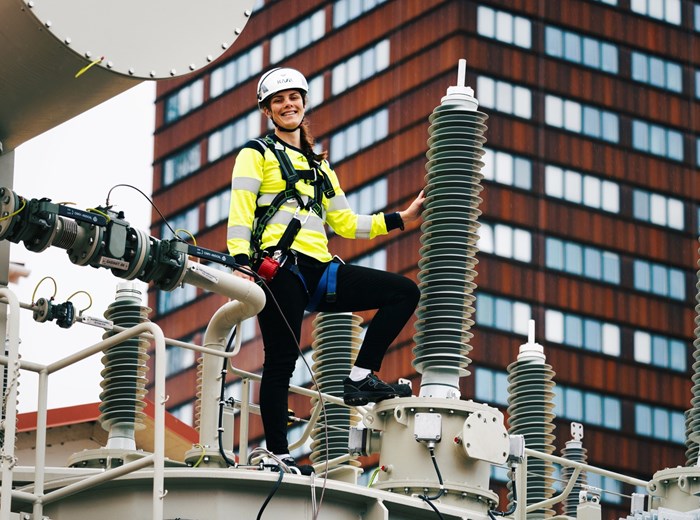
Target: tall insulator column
[[574, 451], [692, 421], [124, 374], [336, 342], [530, 410], [448, 252]]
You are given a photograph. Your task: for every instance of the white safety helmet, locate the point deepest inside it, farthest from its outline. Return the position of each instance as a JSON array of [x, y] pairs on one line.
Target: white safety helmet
[[279, 79]]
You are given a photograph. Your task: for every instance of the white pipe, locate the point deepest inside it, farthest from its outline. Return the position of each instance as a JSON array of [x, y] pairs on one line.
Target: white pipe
[[250, 299], [41, 426], [10, 430]]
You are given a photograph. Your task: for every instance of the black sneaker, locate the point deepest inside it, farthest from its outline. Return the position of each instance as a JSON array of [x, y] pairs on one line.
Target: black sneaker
[[401, 389], [303, 469], [371, 389]]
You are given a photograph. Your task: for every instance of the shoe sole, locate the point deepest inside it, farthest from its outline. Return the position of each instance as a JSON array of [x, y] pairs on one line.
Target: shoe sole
[[360, 398]]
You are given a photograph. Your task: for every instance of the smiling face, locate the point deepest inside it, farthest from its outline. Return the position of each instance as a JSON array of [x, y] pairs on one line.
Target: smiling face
[[286, 108]]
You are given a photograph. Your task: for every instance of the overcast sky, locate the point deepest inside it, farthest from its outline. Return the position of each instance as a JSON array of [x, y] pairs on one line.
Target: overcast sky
[[79, 161]]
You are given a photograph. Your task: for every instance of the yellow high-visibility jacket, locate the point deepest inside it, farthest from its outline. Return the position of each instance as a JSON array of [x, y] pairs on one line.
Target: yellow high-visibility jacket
[[257, 179]]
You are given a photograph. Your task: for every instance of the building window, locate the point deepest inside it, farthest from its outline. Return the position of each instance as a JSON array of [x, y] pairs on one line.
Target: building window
[[180, 165], [579, 49], [374, 260], [582, 119], [235, 71], [505, 168], [346, 10], [359, 135], [234, 135], [171, 300], [657, 140], [657, 209], [217, 208], [583, 189], [657, 72], [696, 16], [505, 241], [491, 386], [184, 100], [660, 351], [582, 260], [504, 27], [664, 10], [298, 36], [501, 313], [184, 412], [360, 67], [581, 332], [315, 94], [187, 220], [587, 407], [504, 97], [659, 423], [659, 279], [177, 360], [370, 198]]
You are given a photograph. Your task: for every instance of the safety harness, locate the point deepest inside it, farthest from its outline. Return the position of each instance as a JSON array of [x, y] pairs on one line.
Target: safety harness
[[269, 264]]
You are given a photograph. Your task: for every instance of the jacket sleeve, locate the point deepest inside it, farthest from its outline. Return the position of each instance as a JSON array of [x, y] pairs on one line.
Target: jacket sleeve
[[343, 220], [245, 184]]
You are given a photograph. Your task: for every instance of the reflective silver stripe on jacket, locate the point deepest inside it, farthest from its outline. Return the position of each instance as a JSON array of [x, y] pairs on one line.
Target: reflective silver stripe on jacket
[[364, 226], [314, 223], [337, 203], [246, 183], [242, 232]]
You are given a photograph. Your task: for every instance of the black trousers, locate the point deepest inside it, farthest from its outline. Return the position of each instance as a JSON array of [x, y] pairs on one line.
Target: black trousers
[[358, 289]]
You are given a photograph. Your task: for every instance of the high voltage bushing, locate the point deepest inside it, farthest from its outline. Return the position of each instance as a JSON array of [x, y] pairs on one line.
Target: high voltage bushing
[[574, 451], [336, 344], [692, 421], [124, 374], [448, 252], [530, 410]]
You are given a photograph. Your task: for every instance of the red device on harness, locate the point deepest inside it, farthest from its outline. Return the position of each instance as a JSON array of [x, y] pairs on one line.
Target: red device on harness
[[268, 268]]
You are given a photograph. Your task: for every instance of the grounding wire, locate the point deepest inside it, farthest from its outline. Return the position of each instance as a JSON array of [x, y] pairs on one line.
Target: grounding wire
[[220, 426], [514, 502], [271, 494], [427, 499]]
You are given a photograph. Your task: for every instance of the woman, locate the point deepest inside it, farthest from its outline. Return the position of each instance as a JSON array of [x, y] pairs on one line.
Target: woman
[[264, 237]]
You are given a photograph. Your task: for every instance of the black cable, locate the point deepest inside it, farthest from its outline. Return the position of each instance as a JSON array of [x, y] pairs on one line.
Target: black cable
[[152, 204], [220, 427], [272, 493], [429, 500], [514, 502]]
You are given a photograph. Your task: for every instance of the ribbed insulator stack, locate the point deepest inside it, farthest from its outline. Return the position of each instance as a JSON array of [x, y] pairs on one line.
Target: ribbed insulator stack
[[124, 374], [692, 421], [574, 451], [448, 252], [530, 410], [336, 342]]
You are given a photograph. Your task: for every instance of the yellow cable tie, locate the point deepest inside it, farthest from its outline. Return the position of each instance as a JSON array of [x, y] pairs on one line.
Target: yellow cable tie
[[86, 294], [24, 204], [55, 287], [194, 240], [93, 210], [89, 66]]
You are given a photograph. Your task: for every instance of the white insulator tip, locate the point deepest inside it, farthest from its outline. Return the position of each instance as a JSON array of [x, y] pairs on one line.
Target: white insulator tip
[[531, 351], [461, 94]]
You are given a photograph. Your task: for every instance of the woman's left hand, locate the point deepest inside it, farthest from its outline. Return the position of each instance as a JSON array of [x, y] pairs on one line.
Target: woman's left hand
[[413, 211]]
